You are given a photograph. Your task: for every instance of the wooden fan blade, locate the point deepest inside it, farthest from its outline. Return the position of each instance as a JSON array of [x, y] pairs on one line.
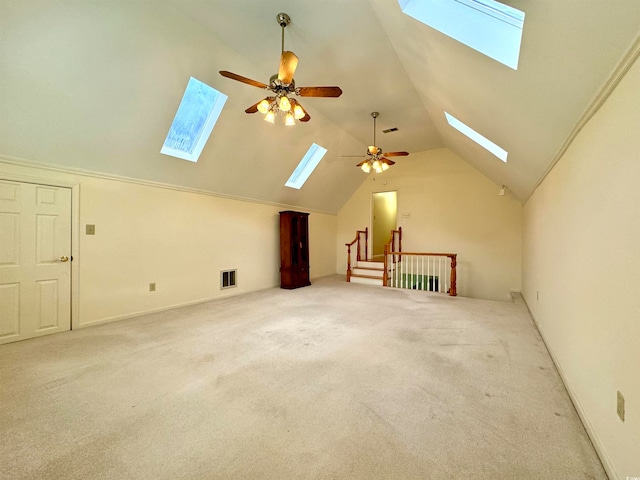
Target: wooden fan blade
[[396, 154], [361, 163], [253, 108], [306, 117], [387, 161], [288, 64], [319, 91], [242, 79], [354, 156]]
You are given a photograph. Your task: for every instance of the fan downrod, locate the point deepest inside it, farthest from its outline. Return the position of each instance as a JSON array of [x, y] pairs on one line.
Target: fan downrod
[[374, 115], [283, 20]]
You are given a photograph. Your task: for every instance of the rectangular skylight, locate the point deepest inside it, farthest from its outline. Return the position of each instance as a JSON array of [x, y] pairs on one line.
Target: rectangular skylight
[[307, 165], [476, 137], [197, 114], [487, 26]]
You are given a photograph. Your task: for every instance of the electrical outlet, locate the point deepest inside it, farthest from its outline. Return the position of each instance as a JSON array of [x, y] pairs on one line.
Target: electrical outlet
[[152, 287], [620, 406]]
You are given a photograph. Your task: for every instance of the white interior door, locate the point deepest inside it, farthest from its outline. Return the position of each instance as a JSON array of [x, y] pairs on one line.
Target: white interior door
[[35, 260]]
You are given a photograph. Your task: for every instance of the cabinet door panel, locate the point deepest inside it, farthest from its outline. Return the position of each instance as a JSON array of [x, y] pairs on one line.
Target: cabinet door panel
[[294, 249]]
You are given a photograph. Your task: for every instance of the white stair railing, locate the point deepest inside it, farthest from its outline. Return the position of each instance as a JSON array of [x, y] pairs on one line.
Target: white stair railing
[[433, 272]]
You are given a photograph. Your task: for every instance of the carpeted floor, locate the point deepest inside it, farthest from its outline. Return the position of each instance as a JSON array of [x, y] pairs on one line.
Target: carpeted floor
[[331, 381]]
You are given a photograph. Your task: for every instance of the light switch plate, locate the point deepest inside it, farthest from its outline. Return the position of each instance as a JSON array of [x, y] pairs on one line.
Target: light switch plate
[[90, 229]]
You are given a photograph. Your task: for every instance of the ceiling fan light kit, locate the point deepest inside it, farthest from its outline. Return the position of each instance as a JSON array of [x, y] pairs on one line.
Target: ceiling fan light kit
[[282, 85]]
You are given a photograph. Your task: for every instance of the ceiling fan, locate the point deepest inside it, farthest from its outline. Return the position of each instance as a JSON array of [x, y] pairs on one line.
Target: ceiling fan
[[281, 85], [374, 159]]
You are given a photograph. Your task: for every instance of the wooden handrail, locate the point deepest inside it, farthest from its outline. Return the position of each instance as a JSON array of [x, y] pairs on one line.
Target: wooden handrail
[[354, 240], [358, 249]]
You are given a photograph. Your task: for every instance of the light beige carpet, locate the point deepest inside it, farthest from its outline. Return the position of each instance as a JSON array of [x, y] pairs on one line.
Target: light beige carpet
[[331, 381]]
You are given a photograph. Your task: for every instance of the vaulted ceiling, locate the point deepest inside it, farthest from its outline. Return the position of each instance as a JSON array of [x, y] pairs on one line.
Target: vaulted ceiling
[[94, 85]]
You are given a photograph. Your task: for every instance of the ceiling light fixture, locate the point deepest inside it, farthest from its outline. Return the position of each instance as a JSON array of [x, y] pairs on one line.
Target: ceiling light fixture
[[270, 116], [289, 120], [282, 84], [375, 160]]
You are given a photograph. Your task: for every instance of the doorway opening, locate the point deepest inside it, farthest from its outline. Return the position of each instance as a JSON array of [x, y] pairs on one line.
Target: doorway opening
[[384, 218]]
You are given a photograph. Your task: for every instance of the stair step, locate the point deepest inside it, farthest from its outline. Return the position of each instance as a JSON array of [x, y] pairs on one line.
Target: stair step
[[367, 272], [368, 280], [370, 265], [359, 275]]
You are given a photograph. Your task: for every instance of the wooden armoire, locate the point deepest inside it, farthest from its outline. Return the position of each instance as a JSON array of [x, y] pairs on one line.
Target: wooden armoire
[[294, 249]]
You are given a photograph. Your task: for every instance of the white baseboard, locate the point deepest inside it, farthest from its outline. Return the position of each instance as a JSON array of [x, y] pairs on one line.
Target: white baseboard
[[127, 316]]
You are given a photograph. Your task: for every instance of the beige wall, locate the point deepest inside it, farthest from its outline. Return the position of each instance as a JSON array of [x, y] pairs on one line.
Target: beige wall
[[445, 205], [581, 259], [178, 239]]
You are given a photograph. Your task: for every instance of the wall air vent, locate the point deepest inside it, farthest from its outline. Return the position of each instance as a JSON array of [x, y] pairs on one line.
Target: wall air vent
[[228, 279]]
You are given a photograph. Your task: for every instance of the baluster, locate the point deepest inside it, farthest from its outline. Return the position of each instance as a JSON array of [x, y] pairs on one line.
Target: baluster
[[366, 243], [411, 285], [397, 272], [452, 291], [432, 273], [385, 275]]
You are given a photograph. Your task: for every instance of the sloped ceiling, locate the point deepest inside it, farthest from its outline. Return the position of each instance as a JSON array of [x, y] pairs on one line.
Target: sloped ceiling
[[94, 85]]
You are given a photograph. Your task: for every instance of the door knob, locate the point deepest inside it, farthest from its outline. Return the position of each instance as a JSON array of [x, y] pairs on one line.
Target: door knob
[[64, 258]]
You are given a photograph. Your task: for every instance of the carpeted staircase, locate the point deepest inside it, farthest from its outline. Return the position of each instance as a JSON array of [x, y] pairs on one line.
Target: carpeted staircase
[[368, 271]]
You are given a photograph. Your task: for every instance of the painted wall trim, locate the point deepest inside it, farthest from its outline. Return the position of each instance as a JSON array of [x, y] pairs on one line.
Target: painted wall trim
[[593, 435], [168, 186], [610, 85]]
